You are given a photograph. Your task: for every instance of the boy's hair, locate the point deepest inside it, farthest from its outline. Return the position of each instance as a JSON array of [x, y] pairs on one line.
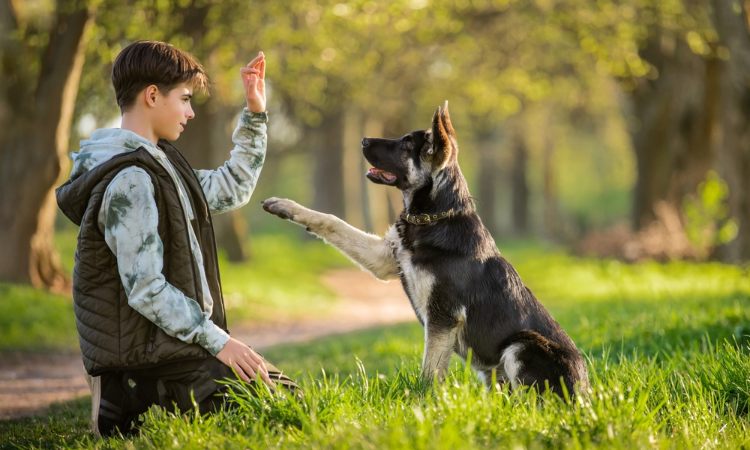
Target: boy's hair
[[144, 63]]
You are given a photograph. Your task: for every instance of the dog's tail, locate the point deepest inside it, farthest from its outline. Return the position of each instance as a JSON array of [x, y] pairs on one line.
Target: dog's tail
[[529, 358]]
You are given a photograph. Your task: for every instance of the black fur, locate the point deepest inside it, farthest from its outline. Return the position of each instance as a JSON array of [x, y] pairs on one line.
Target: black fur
[[468, 269]]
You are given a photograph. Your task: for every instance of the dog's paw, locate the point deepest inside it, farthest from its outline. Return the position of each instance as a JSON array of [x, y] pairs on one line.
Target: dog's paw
[[281, 207]]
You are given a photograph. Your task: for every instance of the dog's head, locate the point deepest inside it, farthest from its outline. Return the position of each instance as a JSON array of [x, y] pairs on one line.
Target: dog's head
[[409, 162]]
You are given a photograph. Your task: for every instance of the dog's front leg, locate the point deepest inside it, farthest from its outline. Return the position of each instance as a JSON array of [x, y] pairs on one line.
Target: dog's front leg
[[369, 251], [438, 349]]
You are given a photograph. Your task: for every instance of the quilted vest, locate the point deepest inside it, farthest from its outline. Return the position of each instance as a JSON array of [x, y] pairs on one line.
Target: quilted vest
[[112, 335]]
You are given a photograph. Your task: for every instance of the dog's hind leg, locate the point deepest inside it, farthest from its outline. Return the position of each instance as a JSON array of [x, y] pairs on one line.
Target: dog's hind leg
[[368, 250], [531, 359], [438, 349]]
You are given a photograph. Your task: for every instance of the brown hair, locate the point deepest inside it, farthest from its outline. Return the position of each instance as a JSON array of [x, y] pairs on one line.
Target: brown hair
[[143, 63]]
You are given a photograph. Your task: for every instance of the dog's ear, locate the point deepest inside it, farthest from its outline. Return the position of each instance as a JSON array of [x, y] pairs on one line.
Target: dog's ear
[[444, 147]]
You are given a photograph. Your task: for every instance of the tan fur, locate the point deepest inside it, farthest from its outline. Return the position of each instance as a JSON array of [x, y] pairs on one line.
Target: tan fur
[[369, 251]]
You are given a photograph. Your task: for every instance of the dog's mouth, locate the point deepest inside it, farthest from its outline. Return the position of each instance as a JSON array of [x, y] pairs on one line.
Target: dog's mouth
[[381, 176]]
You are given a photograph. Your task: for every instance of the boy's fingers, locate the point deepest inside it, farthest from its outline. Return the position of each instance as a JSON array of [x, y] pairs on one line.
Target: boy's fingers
[[247, 369], [241, 372], [254, 61], [267, 379]]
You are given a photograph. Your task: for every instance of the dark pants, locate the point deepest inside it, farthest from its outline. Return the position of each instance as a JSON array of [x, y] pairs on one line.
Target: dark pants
[[126, 395]]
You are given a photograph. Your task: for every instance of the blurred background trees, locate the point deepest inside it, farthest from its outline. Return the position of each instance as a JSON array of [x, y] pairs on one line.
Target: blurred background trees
[[619, 128]]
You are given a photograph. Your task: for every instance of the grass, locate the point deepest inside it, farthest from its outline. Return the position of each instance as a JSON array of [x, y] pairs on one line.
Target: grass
[[32, 319], [668, 348]]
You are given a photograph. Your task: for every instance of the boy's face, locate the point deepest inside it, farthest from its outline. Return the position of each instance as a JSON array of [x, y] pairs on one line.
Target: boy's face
[[172, 112]]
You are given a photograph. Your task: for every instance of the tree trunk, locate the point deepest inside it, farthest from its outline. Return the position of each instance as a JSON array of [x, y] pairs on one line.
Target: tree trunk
[[206, 143], [552, 228], [328, 165], [487, 200], [674, 121], [734, 34], [520, 187], [34, 149], [356, 202], [380, 206]]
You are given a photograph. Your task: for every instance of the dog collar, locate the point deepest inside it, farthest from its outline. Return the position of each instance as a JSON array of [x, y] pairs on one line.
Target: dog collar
[[427, 219]]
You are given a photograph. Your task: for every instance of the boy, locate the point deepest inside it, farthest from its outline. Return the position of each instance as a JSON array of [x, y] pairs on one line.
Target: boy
[[148, 303]]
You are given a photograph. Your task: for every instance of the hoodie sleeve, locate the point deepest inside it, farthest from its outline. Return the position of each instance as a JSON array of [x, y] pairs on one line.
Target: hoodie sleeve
[[129, 218], [231, 185]]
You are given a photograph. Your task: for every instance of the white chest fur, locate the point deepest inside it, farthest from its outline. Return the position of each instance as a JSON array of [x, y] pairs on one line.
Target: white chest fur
[[417, 281]]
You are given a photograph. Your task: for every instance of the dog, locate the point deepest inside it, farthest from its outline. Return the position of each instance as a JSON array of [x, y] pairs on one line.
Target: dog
[[465, 295]]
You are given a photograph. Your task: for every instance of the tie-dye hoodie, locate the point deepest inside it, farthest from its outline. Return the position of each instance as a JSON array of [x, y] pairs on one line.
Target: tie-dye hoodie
[[129, 220]]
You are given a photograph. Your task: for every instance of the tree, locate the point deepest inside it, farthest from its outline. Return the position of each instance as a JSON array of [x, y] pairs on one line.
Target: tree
[[37, 97], [731, 22]]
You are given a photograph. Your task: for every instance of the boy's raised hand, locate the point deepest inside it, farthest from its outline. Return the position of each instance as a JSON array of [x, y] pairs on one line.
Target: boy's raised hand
[[254, 80]]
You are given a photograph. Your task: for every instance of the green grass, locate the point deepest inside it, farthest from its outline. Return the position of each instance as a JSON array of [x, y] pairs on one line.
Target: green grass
[[667, 346], [32, 319]]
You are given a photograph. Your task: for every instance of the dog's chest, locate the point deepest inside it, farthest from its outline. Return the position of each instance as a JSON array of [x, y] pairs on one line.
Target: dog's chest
[[418, 282]]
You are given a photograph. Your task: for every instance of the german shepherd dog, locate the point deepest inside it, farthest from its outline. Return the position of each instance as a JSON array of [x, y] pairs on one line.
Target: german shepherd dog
[[464, 293]]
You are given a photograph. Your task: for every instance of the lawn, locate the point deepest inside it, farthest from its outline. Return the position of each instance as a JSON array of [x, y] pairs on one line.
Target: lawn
[[668, 348]]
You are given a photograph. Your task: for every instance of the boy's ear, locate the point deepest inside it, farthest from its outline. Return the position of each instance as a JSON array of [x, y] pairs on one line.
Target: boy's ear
[[444, 147], [150, 94]]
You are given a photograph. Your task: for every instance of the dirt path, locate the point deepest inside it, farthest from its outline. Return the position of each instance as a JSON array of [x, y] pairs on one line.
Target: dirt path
[[29, 383]]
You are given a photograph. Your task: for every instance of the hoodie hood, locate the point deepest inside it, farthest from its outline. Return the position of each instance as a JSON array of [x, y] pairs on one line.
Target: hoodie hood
[[102, 146], [101, 157]]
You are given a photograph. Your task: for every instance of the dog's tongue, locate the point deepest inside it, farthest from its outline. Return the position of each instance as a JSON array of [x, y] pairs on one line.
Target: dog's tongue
[[387, 176]]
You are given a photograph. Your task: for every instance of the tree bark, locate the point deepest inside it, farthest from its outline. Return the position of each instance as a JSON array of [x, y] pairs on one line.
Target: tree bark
[[552, 228], [328, 165], [487, 146], [675, 118], [34, 148], [732, 27], [520, 187]]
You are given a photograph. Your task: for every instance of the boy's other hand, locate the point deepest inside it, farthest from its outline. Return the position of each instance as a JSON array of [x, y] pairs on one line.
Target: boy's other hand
[[254, 80], [244, 361]]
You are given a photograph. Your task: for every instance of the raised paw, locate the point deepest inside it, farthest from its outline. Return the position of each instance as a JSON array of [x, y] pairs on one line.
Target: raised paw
[[281, 207]]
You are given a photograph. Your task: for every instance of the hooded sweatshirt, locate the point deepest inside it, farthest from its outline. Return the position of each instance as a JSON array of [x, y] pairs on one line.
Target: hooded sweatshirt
[[128, 219]]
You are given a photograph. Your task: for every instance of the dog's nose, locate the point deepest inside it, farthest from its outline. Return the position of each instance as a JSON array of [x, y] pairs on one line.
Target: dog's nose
[[365, 143]]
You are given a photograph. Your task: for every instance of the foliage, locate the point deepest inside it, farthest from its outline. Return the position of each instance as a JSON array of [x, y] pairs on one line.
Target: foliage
[[708, 223], [393, 62]]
